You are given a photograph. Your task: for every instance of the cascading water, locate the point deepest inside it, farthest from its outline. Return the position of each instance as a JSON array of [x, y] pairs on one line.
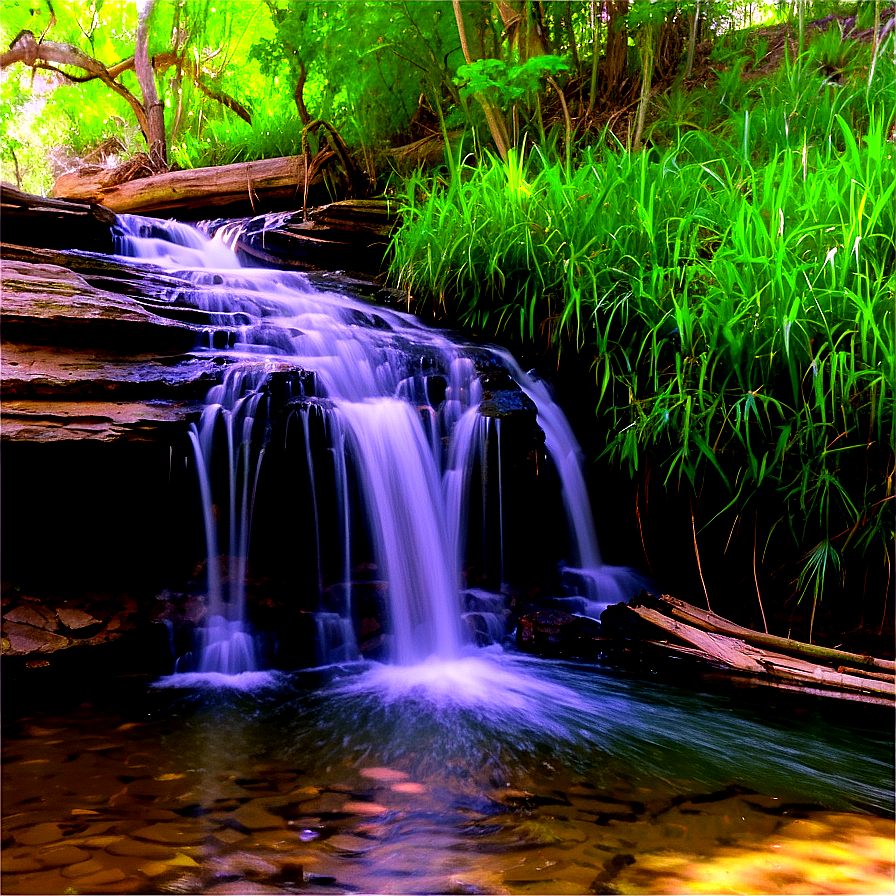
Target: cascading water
[[397, 406]]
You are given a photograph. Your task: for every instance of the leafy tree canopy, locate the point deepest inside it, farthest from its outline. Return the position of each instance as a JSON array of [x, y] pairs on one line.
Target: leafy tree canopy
[[237, 81]]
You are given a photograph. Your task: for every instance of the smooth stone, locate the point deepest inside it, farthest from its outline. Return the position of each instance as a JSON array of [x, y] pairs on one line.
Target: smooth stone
[[136, 849], [275, 841], [157, 868], [245, 864], [257, 818], [326, 802], [242, 888], [102, 842], [408, 787], [229, 836], [75, 619], [60, 857], [39, 835], [90, 866], [139, 760], [19, 862], [161, 815], [359, 807], [307, 792], [170, 834], [349, 843], [27, 639], [101, 878], [384, 774], [38, 617]]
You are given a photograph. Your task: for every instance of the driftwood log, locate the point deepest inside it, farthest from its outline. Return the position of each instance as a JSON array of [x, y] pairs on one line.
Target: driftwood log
[[682, 628]]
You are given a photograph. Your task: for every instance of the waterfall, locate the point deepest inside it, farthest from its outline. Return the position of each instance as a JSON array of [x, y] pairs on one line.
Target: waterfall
[[396, 405]]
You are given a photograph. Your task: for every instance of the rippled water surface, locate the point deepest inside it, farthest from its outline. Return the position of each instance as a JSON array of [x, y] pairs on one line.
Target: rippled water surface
[[492, 773]]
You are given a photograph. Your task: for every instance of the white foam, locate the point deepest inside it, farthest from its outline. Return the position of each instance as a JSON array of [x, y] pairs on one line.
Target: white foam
[[242, 681]]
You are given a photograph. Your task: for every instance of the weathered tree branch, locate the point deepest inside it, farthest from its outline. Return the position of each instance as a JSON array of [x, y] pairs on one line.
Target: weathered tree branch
[[26, 49]]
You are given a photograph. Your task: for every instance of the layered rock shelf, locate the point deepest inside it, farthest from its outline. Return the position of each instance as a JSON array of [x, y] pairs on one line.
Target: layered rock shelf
[[80, 361]]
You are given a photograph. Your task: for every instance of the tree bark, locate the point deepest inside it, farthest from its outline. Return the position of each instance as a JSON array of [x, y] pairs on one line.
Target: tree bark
[[223, 185], [646, 80], [615, 57], [146, 77], [692, 44], [493, 117]]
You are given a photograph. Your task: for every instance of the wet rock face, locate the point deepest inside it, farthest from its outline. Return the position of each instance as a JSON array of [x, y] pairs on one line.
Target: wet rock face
[[52, 223]]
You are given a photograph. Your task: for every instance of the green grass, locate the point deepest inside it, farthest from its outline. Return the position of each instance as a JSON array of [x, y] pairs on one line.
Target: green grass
[[735, 290]]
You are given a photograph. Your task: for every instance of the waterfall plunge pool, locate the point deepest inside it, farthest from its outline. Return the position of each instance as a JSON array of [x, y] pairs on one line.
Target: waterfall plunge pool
[[490, 773]]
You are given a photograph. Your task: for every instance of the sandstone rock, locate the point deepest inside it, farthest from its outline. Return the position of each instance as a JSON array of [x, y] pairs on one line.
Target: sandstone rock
[[171, 834], [34, 615], [59, 857], [101, 879], [25, 639], [36, 220], [256, 818], [19, 861], [138, 849], [39, 834], [75, 619]]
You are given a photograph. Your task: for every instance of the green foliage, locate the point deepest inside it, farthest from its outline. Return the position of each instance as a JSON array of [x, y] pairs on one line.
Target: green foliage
[[508, 84], [737, 299]]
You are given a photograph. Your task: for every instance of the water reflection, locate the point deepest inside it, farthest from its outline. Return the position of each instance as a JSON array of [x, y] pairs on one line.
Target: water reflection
[[498, 773]]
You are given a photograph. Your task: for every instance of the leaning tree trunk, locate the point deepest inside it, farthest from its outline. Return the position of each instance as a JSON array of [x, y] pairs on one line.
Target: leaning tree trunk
[[493, 115], [646, 82], [692, 43], [155, 113]]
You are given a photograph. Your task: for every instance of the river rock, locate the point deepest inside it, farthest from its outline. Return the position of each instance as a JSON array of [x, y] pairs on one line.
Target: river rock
[[34, 615], [139, 849], [504, 402], [59, 857], [76, 619], [24, 639], [170, 834], [19, 861], [548, 633], [39, 834]]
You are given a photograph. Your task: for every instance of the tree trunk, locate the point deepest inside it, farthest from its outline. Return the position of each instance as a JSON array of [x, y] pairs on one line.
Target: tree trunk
[[646, 80], [493, 116], [155, 113], [523, 29], [692, 44], [616, 54]]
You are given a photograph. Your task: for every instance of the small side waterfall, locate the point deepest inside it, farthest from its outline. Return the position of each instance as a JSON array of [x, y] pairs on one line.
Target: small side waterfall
[[377, 419]]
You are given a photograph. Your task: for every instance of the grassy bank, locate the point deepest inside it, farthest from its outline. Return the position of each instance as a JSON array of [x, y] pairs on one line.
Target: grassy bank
[[733, 287]]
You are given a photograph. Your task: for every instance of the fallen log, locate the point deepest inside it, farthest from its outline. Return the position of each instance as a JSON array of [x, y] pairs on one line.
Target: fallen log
[[718, 624], [253, 182], [738, 654]]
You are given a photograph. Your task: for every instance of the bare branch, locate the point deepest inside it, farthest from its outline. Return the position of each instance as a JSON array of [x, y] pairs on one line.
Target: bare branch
[[26, 49]]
